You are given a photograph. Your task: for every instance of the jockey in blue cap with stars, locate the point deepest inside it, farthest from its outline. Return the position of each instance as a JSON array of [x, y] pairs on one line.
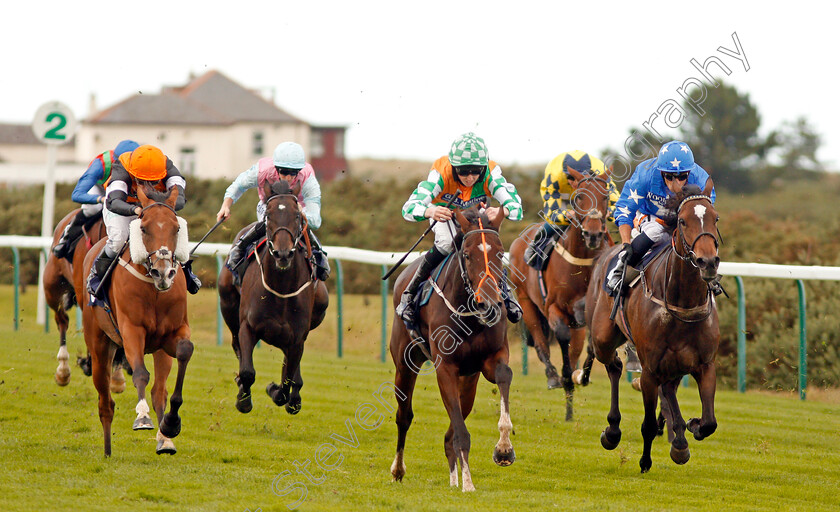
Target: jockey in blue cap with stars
[[640, 210]]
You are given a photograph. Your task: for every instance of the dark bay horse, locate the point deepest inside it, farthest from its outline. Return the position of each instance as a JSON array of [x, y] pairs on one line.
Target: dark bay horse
[[279, 301], [672, 318], [464, 324], [148, 298], [63, 282], [559, 314]]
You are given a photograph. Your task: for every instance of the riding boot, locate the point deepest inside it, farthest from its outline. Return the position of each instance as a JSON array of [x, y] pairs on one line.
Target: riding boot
[[405, 309], [97, 273], [514, 310], [631, 255], [237, 252], [319, 256], [71, 233], [633, 363], [193, 282], [536, 253]]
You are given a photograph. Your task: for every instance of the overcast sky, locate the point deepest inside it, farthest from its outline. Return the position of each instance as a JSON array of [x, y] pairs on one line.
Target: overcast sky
[[408, 77]]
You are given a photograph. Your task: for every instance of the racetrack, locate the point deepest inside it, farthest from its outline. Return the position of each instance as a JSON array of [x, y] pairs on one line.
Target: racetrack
[[769, 452]]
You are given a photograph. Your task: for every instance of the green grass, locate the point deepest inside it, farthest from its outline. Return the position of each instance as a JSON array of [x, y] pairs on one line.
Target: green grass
[[771, 452]]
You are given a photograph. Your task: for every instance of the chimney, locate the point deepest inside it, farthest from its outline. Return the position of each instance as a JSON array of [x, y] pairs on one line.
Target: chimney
[[92, 105]]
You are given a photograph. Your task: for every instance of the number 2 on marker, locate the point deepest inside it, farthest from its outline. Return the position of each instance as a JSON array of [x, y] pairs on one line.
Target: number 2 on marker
[[54, 132]]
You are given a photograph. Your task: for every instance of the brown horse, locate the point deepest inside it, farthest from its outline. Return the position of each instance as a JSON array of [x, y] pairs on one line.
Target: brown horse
[[279, 301], [148, 298], [671, 316], [464, 320], [560, 314], [63, 282]]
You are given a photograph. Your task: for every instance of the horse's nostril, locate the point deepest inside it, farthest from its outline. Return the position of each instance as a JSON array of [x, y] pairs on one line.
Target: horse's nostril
[[171, 274], [155, 273]]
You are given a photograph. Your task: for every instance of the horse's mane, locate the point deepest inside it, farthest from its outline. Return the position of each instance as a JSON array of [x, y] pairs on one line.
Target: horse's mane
[[280, 187], [155, 194], [673, 202]]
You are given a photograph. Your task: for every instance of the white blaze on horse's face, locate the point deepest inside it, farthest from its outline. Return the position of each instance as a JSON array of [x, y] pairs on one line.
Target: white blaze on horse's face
[[700, 211], [484, 247], [281, 207]]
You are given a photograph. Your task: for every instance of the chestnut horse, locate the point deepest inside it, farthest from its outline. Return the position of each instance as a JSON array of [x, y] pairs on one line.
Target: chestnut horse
[[279, 301], [672, 318], [63, 282], [148, 315], [559, 314], [465, 324]]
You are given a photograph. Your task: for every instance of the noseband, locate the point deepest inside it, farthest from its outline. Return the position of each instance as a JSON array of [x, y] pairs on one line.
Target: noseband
[[690, 255], [296, 238], [476, 295], [159, 254]]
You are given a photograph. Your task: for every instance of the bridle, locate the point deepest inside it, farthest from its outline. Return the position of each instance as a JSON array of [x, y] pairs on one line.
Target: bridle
[[593, 212], [159, 254], [472, 293], [296, 238], [688, 249]]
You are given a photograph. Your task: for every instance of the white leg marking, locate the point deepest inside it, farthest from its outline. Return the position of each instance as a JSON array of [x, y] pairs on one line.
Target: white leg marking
[[466, 478], [700, 211], [398, 466], [62, 373], [142, 410]]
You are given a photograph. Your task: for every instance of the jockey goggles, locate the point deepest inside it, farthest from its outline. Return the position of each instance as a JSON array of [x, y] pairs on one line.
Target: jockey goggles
[[681, 176], [467, 170], [287, 171]]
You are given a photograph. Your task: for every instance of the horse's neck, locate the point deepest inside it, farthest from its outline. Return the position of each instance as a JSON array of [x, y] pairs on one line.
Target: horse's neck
[[685, 286], [283, 281], [572, 241]]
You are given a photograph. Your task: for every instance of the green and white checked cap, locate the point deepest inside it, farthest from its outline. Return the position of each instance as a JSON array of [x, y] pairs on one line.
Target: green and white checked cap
[[468, 149]]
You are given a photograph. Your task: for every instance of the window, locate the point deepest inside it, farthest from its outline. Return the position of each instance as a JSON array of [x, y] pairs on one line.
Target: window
[[317, 144], [339, 143], [187, 161], [257, 144]]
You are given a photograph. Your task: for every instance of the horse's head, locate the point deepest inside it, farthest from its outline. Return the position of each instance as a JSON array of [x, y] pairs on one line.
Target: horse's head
[[696, 228], [480, 260], [160, 233], [285, 222], [591, 201]]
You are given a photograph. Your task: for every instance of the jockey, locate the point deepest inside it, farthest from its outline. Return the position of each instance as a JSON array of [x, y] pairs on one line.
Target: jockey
[[288, 163], [146, 165], [641, 208], [556, 189], [90, 192], [470, 174]]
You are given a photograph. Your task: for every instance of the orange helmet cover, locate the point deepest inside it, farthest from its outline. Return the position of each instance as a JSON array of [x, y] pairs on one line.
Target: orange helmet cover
[[145, 163]]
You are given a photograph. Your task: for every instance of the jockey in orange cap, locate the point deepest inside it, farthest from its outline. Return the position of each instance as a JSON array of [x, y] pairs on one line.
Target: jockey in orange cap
[[146, 165]]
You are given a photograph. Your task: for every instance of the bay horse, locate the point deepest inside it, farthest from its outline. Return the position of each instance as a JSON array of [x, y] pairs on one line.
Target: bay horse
[[465, 332], [63, 282], [672, 318], [148, 315], [280, 299], [558, 311]]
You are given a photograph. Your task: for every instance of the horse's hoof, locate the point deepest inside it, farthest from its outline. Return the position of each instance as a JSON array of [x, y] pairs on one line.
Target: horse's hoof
[[62, 378], [117, 386], [85, 365], [293, 408], [244, 405], [610, 442], [577, 377], [165, 446], [700, 432], [144, 423], [554, 382], [636, 384], [276, 393], [504, 459], [680, 456], [171, 425]]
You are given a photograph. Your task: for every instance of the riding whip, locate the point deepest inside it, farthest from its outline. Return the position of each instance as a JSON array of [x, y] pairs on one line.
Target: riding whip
[[618, 294], [388, 274], [218, 223]]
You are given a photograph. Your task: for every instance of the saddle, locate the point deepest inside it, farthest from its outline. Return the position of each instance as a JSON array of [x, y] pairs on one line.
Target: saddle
[[71, 244], [631, 273], [424, 293]]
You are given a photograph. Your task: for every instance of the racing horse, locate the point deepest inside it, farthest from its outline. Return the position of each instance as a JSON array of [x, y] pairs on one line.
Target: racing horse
[[463, 332], [63, 282], [147, 315], [279, 300], [557, 312], [672, 318]]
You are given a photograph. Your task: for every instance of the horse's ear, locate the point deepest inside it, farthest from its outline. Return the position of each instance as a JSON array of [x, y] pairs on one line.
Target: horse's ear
[[578, 176], [608, 171], [710, 185], [141, 195], [497, 220], [462, 220], [173, 197], [296, 189], [267, 189]]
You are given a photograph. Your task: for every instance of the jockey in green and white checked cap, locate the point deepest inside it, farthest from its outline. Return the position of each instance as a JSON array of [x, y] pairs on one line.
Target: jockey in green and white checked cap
[[468, 149]]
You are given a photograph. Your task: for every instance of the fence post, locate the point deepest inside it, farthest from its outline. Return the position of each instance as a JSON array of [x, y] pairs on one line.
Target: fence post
[[219, 265], [16, 256], [803, 344], [340, 313], [742, 336], [384, 289], [46, 306], [524, 355]]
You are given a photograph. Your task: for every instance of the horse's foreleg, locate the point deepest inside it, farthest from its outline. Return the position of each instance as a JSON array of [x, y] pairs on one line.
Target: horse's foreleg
[[650, 397], [466, 387], [448, 382], [62, 372], [292, 381], [707, 424], [498, 371], [675, 421], [101, 358], [404, 382], [533, 320], [134, 341], [611, 436], [563, 335], [163, 365], [171, 424], [247, 374]]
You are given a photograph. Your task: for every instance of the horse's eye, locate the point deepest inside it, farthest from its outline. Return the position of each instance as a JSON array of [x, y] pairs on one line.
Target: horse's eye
[[682, 222], [717, 218], [142, 230]]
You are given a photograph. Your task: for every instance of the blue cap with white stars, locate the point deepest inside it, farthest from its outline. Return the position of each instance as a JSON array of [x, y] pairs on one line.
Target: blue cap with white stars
[[675, 156]]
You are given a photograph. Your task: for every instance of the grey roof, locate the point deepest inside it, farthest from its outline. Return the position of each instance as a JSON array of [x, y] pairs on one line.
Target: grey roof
[[20, 134], [211, 99]]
